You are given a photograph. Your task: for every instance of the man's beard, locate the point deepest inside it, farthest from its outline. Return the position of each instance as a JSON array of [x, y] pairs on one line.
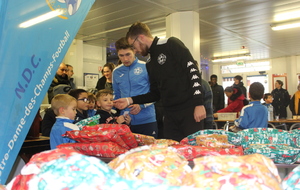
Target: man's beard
[[144, 50]]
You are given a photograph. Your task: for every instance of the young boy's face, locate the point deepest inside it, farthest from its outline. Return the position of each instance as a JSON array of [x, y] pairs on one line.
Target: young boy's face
[[70, 111], [269, 100], [105, 102], [81, 104], [92, 104]]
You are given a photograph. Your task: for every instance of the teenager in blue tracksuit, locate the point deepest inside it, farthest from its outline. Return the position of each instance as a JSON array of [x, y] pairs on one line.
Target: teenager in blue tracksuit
[[131, 79]]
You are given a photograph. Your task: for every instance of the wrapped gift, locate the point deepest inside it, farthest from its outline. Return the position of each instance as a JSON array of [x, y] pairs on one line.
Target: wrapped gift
[[292, 180], [236, 172], [280, 154], [154, 164], [101, 149]]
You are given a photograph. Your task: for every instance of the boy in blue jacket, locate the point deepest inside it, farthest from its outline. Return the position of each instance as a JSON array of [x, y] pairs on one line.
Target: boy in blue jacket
[[253, 115], [64, 106]]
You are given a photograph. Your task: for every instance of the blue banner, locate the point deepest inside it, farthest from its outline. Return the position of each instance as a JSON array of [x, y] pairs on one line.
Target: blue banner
[[34, 38]]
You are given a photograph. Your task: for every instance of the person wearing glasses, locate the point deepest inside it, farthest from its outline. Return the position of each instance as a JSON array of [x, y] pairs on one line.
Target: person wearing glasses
[[81, 96], [174, 79], [60, 77]]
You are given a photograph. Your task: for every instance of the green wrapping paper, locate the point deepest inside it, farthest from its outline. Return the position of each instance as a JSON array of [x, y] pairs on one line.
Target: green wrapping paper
[[91, 121], [292, 181], [281, 154], [265, 136]]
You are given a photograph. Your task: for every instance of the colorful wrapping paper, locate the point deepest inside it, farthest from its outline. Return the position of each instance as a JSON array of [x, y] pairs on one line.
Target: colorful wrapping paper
[[154, 164], [64, 169], [233, 138], [236, 172], [190, 152], [265, 136], [91, 121], [280, 154], [292, 181], [101, 149], [122, 130]]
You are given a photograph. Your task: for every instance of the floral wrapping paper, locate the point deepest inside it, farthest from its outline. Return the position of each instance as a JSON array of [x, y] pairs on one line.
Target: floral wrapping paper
[[236, 172], [292, 181], [154, 164]]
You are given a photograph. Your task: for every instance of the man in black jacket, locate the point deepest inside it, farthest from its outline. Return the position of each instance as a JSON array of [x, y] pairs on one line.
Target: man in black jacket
[[281, 99], [174, 79], [61, 77], [218, 93]]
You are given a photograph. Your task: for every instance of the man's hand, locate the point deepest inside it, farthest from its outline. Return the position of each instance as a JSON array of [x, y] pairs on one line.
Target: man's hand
[[122, 103], [135, 109], [199, 113]]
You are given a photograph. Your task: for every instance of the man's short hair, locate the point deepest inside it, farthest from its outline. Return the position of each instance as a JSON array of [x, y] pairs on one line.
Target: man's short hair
[[256, 90], [61, 100], [138, 28], [267, 95], [213, 76], [238, 77], [122, 44], [103, 92], [279, 82]]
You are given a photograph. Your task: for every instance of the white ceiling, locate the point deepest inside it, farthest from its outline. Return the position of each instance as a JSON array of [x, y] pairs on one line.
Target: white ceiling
[[225, 25]]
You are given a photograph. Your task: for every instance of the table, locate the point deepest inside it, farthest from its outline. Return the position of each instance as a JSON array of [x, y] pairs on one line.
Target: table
[[33, 146], [294, 122]]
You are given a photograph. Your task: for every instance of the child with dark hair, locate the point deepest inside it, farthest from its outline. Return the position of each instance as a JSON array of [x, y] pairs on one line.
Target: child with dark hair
[[268, 98], [92, 104], [81, 96], [254, 115], [104, 99]]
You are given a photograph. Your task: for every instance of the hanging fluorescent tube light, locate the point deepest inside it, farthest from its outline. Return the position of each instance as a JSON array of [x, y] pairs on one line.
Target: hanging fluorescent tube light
[[231, 57], [41, 18], [285, 25]]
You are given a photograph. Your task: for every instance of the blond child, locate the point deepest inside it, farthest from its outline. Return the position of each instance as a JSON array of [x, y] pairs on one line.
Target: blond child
[[107, 114], [64, 107]]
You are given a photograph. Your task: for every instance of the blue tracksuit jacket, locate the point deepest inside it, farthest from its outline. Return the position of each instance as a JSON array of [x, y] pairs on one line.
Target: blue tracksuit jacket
[[60, 127], [132, 81], [254, 115]]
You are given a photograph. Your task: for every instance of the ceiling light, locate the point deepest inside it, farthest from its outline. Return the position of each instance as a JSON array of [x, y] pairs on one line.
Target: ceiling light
[[231, 57], [285, 25], [41, 18], [287, 16]]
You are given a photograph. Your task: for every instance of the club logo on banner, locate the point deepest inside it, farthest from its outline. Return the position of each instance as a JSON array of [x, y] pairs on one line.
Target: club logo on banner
[[34, 40]]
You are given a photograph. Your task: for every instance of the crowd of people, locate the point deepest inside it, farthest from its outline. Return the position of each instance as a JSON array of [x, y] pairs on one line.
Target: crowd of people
[[164, 98]]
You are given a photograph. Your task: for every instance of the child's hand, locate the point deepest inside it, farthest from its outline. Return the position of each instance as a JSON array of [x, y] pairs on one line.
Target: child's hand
[[127, 119], [121, 119]]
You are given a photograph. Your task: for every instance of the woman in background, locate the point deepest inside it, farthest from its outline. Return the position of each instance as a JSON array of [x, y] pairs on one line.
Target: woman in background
[[105, 82]]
